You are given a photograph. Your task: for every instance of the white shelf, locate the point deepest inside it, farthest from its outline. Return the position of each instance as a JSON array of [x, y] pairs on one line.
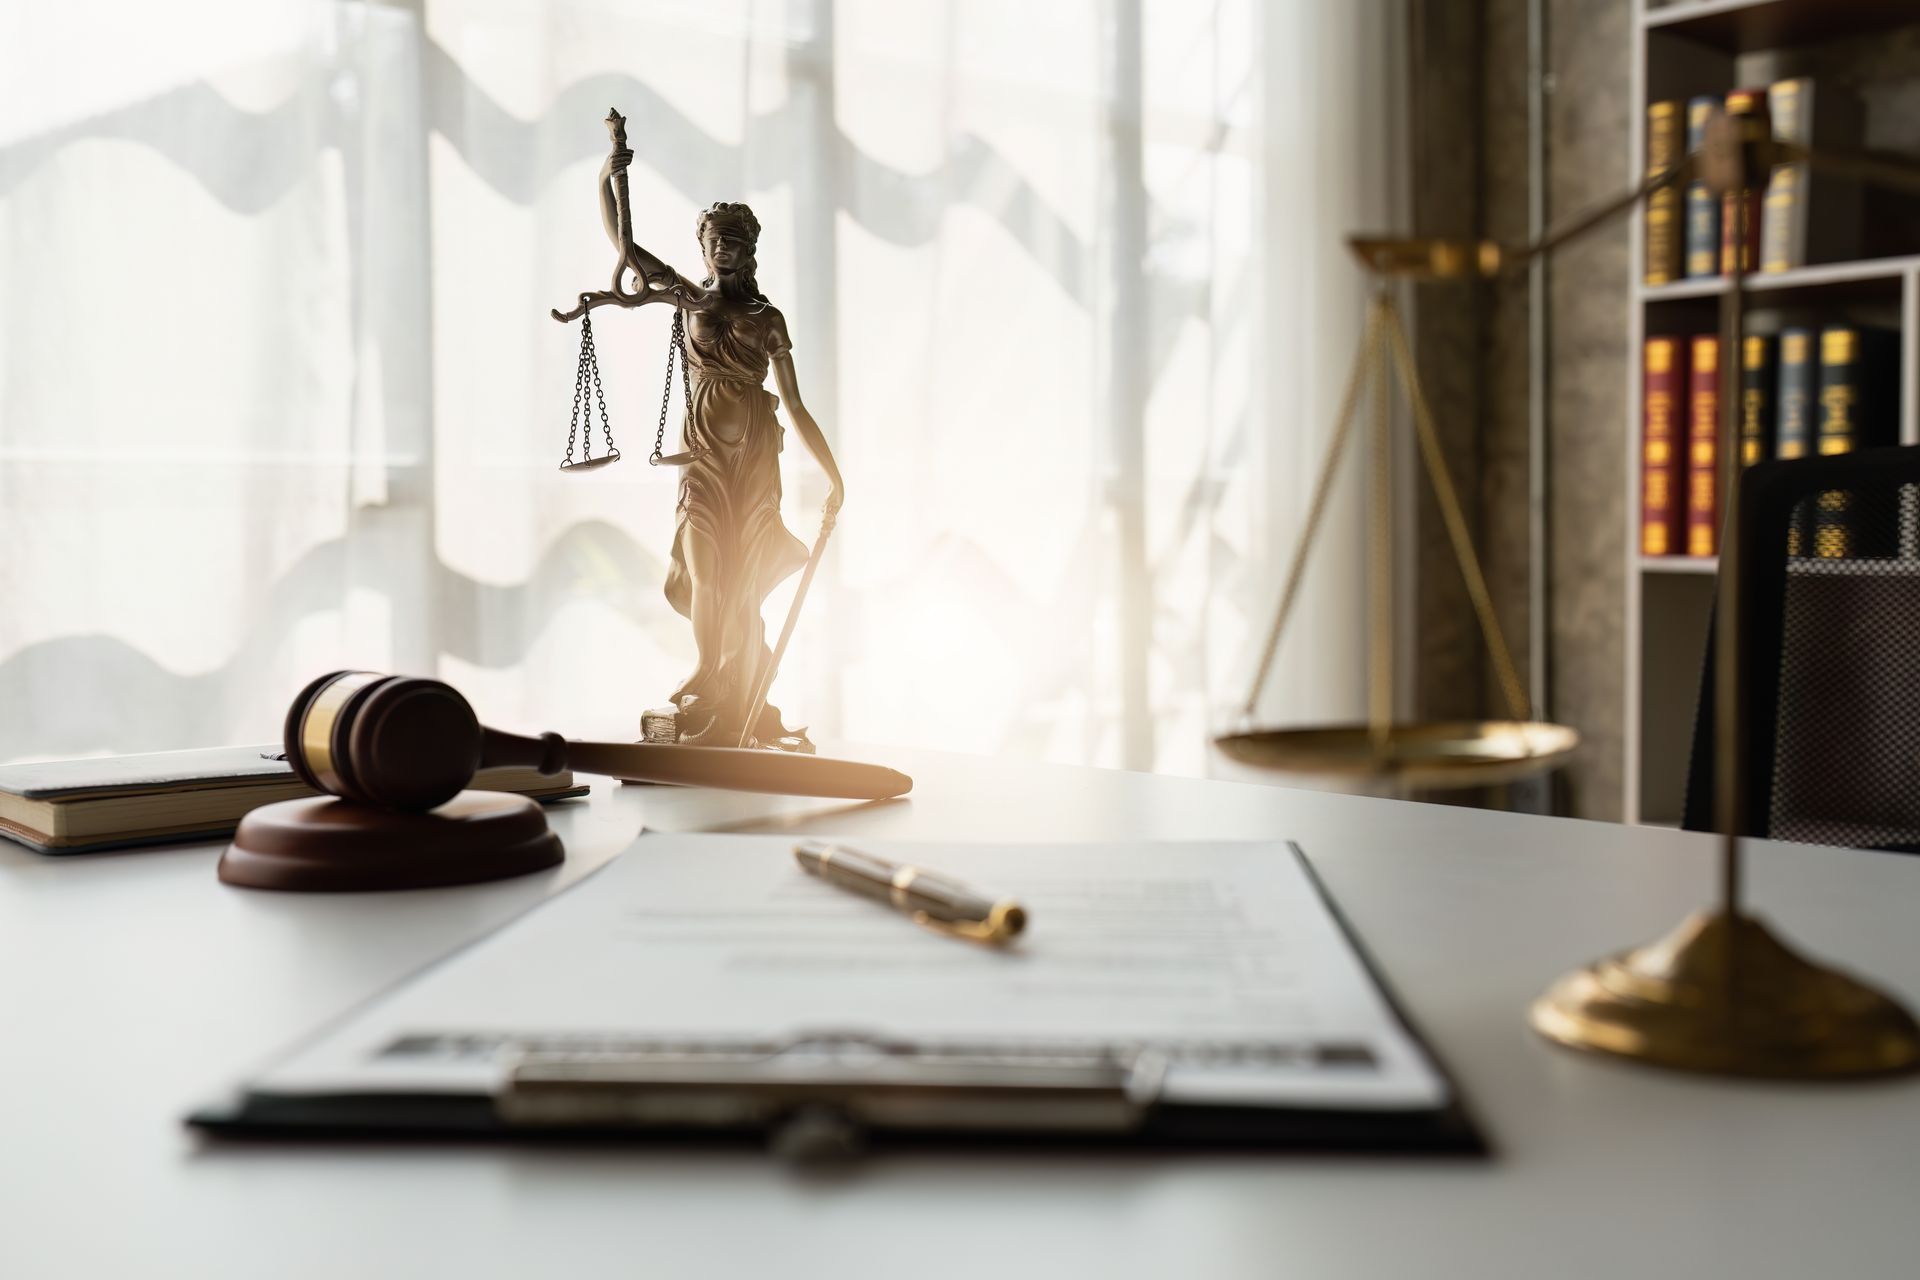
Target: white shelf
[[1703, 565], [1823, 275], [1865, 567], [1741, 26]]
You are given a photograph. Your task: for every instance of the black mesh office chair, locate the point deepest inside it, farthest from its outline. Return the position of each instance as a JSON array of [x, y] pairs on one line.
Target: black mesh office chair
[[1830, 571]]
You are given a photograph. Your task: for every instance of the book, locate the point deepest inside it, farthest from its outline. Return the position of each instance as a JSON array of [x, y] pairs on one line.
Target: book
[[1790, 236], [1663, 206], [1703, 209], [1758, 374], [1859, 383], [1793, 395], [1793, 415], [1660, 509], [71, 806], [1740, 210], [1703, 427]]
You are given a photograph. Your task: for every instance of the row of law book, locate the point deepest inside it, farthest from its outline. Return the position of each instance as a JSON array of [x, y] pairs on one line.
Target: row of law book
[[1802, 391], [1799, 218]]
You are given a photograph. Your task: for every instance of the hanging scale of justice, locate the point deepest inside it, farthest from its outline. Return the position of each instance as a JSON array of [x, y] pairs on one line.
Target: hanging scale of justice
[[588, 380], [588, 377], [589, 393]]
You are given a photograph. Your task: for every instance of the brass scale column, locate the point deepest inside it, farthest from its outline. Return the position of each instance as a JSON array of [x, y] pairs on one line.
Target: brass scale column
[[1721, 994]]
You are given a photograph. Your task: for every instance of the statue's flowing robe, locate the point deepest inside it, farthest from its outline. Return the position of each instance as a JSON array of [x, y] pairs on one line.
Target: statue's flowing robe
[[730, 497]]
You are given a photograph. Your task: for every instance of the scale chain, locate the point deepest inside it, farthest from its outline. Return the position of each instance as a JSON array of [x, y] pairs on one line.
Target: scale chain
[[599, 393], [579, 389], [676, 346]]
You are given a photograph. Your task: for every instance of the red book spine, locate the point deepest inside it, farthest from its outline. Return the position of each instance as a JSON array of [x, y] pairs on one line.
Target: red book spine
[[1660, 449], [1703, 431]]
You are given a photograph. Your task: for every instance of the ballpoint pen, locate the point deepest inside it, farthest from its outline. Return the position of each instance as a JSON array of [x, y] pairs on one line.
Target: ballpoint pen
[[930, 899]]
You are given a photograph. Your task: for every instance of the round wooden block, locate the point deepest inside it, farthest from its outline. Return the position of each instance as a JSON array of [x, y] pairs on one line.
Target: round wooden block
[[323, 844]]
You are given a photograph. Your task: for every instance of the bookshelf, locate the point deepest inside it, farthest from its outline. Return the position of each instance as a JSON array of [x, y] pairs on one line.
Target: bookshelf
[[1684, 48]]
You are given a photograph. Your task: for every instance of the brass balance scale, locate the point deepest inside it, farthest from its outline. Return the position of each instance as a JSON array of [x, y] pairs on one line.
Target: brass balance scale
[[1721, 994], [1446, 754]]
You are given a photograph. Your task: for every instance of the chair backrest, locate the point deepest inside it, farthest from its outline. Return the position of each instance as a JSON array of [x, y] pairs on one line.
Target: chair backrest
[[1830, 644]]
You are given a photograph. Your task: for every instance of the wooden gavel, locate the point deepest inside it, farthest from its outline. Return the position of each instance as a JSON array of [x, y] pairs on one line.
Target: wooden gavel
[[408, 743]]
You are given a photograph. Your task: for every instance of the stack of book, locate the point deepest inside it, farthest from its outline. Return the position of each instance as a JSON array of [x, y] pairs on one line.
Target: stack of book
[[1778, 232], [74, 806], [1801, 392]]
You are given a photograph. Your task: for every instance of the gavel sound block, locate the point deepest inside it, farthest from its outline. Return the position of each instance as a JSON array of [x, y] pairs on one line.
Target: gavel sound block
[[393, 754]]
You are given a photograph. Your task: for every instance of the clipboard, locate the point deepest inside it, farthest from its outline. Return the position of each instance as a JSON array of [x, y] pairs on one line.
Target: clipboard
[[831, 1093]]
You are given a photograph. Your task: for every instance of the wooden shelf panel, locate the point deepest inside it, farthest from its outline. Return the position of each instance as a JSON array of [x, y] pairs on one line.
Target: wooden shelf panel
[[1741, 26]]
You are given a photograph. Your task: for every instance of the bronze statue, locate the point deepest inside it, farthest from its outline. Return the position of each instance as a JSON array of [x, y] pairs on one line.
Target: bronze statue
[[730, 547]]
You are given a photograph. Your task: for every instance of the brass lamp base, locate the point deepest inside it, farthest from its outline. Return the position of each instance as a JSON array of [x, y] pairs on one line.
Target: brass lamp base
[[1670, 1004]]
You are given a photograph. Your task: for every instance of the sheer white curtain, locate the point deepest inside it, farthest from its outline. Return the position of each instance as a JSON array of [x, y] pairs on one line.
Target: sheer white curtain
[[279, 391]]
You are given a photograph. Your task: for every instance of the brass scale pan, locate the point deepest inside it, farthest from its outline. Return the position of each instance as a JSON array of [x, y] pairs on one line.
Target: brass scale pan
[[1452, 753]]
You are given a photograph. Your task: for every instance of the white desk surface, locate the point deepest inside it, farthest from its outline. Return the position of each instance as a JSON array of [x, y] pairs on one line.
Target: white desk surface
[[133, 985]]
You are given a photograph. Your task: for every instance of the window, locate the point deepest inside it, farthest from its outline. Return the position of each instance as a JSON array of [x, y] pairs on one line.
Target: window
[[279, 391]]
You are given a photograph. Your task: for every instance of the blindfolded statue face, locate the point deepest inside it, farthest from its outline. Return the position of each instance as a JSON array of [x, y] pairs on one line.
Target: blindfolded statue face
[[726, 250], [727, 234]]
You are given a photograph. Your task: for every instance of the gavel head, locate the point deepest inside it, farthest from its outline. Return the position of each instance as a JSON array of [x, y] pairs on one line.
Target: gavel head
[[399, 742]]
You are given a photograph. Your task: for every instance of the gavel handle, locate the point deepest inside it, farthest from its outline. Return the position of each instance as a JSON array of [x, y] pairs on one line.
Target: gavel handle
[[730, 768]]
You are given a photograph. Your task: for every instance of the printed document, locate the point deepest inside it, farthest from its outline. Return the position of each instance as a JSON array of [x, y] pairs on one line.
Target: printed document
[[1223, 957]]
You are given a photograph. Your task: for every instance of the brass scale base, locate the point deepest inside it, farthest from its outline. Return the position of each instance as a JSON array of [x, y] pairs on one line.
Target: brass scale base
[[1781, 1016]]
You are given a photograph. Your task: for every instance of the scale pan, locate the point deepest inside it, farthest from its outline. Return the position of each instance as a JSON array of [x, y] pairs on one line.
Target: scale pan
[[1453, 753], [592, 464]]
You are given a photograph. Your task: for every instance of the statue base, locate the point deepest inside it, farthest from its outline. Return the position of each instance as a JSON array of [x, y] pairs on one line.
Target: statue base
[[662, 725]]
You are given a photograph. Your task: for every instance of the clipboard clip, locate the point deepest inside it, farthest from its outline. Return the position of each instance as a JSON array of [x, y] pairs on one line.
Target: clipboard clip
[[818, 1095]]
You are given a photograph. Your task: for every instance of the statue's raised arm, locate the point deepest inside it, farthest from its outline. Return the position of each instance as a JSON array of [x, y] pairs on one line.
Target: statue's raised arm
[[656, 281]]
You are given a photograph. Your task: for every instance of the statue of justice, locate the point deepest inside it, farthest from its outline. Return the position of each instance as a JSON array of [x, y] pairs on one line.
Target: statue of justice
[[730, 546]]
